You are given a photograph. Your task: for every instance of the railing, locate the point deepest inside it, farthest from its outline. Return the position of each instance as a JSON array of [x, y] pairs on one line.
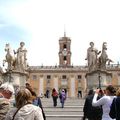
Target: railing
[[58, 68], [81, 67]]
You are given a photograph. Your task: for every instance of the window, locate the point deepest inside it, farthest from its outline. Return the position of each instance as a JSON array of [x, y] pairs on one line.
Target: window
[[65, 58], [64, 46], [64, 77], [79, 76], [34, 77], [48, 77]]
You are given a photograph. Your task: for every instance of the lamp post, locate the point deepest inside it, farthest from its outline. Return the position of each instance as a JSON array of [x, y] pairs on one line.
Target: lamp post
[[99, 79]]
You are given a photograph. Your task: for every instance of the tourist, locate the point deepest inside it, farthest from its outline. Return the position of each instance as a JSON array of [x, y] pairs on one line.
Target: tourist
[[105, 101], [24, 110], [28, 86], [62, 97], [47, 93], [90, 112], [6, 91], [55, 97], [115, 107], [37, 101], [79, 94]]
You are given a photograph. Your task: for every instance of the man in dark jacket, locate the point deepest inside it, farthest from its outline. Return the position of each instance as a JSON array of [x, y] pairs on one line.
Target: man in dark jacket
[[90, 112], [115, 107]]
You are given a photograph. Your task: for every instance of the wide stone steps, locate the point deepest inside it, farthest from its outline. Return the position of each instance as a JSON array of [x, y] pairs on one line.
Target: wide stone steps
[[73, 109], [57, 109]]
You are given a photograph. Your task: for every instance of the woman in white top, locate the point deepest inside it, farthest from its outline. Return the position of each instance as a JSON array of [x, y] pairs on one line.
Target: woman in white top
[[105, 101]]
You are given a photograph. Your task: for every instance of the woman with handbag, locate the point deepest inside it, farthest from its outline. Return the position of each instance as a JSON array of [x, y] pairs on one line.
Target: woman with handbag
[[24, 110], [55, 97]]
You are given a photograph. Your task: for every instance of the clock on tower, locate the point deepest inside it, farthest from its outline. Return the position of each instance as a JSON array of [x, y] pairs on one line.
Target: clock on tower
[[64, 51]]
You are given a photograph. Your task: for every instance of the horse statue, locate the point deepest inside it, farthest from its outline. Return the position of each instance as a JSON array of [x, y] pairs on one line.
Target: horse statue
[[9, 58], [103, 59]]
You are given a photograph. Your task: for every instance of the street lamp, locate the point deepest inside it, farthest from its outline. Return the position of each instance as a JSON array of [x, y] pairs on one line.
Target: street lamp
[[99, 79]]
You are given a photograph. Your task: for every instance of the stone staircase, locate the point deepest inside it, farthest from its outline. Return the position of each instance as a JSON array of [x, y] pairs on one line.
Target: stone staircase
[[73, 109]]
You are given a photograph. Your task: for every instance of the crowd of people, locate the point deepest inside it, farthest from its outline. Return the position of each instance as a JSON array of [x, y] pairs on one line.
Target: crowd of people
[[102, 105], [27, 104], [99, 104]]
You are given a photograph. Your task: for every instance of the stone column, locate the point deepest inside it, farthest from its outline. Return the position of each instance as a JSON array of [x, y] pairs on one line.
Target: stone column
[[55, 82], [41, 91], [72, 86]]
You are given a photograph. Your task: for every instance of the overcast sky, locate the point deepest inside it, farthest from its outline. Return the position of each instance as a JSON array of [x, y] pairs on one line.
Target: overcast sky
[[40, 24]]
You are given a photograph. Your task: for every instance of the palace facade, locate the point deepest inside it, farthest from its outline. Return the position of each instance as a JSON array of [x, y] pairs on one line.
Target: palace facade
[[71, 78]]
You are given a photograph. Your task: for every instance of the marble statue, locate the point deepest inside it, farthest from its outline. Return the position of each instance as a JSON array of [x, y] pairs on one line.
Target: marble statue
[[103, 59], [9, 58], [92, 54], [21, 58]]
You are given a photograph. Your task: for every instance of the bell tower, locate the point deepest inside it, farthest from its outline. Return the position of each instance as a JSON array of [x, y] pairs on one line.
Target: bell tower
[[64, 51]]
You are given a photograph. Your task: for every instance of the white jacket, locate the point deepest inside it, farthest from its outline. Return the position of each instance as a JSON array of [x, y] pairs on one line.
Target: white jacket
[[27, 112], [106, 102]]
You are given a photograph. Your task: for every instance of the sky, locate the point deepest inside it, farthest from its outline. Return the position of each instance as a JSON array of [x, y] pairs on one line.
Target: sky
[[41, 23]]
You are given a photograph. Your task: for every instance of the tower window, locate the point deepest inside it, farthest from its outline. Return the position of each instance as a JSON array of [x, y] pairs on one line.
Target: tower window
[[65, 58], [64, 46], [79, 76]]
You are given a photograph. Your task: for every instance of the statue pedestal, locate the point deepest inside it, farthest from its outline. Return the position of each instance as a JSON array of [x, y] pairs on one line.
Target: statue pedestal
[[16, 78], [98, 78]]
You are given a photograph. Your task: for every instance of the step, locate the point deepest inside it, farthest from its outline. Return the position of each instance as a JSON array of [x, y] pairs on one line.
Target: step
[[65, 109], [65, 106], [64, 117], [73, 109], [68, 113]]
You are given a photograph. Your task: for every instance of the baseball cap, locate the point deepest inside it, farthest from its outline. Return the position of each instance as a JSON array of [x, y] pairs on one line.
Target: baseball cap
[[8, 87]]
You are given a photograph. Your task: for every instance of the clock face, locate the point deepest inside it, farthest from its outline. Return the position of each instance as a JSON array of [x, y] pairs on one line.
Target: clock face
[[64, 52]]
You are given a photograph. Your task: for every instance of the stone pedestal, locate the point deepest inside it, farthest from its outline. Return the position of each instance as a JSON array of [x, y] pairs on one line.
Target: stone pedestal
[[16, 78], [98, 78]]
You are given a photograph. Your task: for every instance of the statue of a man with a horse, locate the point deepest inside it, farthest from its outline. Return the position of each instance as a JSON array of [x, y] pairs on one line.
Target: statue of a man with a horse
[[16, 60], [94, 60]]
